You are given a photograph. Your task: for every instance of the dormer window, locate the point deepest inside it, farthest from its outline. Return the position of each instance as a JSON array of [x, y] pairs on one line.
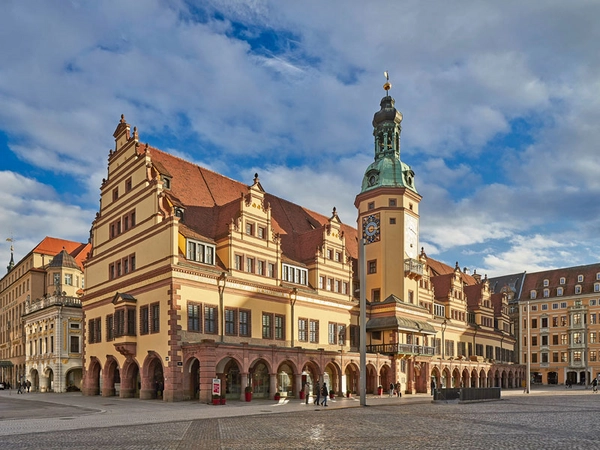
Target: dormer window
[[596, 287], [580, 278], [546, 283], [598, 276], [532, 294], [559, 291], [166, 182], [546, 293], [578, 289], [562, 280], [179, 213], [293, 274], [200, 252]]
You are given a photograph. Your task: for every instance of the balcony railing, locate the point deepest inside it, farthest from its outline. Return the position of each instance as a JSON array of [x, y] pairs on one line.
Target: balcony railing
[[413, 268], [52, 301], [401, 349]]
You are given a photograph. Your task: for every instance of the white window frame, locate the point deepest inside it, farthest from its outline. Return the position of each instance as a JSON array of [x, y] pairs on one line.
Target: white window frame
[[200, 252], [294, 274]]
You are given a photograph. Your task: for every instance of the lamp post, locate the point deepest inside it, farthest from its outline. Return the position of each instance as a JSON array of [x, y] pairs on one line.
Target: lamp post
[[528, 382], [221, 286], [363, 319], [341, 340]]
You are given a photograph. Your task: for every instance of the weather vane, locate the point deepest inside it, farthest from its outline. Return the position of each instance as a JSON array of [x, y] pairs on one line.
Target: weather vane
[[387, 86]]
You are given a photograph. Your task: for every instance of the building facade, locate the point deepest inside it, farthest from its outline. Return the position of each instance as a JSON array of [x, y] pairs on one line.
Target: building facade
[[41, 311], [558, 311], [194, 277]]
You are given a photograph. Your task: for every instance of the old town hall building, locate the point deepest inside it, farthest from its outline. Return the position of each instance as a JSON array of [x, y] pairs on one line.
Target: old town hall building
[[194, 276]]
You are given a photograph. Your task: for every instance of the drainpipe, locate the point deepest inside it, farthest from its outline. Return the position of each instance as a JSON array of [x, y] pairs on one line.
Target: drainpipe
[[293, 298], [221, 281]]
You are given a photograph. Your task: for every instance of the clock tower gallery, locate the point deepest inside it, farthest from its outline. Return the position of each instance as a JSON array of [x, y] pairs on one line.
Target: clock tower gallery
[[388, 214]]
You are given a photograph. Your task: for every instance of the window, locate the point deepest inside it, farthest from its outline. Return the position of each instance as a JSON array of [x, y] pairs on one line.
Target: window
[[261, 232], [321, 282], [580, 278], [166, 182], [125, 322], [576, 338], [109, 328], [593, 319], [303, 330], [392, 221], [372, 265], [371, 205], [249, 229], [338, 256], [546, 293], [329, 253], [244, 316], [554, 356], [155, 317], [341, 334], [563, 304], [545, 307], [534, 323], [596, 287], [260, 267], [144, 320], [210, 319], [593, 302], [271, 270], [94, 331], [577, 319], [230, 322], [69, 279], [332, 333], [532, 294], [56, 278], [128, 184], [411, 296], [392, 202], [534, 340], [250, 265], [563, 357], [115, 194], [555, 339], [544, 322], [562, 280], [294, 274], [544, 357], [559, 292], [563, 339], [238, 262], [577, 356], [74, 348], [593, 356], [314, 331], [545, 340], [592, 337], [279, 327], [555, 305], [545, 283], [578, 289], [199, 252], [376, 295], [267, 326]]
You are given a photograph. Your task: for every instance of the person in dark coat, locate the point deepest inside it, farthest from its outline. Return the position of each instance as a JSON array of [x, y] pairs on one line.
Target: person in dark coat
[[317, 394]]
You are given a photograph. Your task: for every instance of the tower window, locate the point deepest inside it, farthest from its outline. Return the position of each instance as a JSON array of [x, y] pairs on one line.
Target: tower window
[[392, 221], [372, 265], [392, 202], [371, 205]]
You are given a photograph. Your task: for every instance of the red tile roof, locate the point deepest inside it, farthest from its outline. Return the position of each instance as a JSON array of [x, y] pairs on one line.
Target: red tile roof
[[53, 246], [212, 201]]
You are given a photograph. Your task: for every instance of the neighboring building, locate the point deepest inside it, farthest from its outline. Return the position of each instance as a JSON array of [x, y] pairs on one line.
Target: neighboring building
[[40, 310], [194, 277], [564, 314]]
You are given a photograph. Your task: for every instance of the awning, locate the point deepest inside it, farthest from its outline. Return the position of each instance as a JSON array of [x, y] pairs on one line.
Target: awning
[[6, 364]]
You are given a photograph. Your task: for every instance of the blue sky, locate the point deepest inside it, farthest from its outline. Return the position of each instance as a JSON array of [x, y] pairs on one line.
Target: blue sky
[[501, 105]]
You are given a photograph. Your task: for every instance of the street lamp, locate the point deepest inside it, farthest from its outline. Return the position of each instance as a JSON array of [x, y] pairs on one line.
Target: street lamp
[[444, 325], [528, 382], [341, 340], [221, 286]]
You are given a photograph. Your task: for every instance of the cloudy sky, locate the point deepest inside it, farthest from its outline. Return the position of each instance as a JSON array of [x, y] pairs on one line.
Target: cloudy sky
[[501, 105]]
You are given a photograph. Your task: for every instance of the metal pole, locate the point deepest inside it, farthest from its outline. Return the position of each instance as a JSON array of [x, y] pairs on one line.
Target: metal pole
[[362, 273], [528, 385]]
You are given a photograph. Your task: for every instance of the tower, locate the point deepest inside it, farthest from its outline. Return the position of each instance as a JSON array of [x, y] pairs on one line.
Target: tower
[[388, 213]]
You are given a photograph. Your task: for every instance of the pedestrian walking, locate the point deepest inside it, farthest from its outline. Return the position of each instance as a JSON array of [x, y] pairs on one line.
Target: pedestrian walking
[[28, 385], [391, 389], [594, 385], [397, 387], [307, 391], [324, 394], [317, 394], [19, 388]]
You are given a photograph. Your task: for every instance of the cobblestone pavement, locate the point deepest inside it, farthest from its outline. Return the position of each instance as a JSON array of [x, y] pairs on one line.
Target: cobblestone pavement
[[550, 419]]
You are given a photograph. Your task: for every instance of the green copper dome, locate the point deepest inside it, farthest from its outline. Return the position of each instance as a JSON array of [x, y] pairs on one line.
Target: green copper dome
[[387, 170]]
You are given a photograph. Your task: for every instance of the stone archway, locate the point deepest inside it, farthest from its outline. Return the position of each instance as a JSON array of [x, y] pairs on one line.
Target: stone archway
[[91, 381], [153, 379], [286, 379], [332, 377], [351, 374], [73, 379], [131, 382], [474, 378], [35, 380], [385, 377], [435, 378], [259, 379], [372, 379], [111, 380], [191, 379]]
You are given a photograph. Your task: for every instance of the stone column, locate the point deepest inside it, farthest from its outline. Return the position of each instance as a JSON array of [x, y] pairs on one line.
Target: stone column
[[297, 385], [272, 384], [243, 384]]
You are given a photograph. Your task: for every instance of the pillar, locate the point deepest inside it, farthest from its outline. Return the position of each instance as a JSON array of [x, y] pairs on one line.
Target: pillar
[[243, 384], [297, 385], [272, 384]]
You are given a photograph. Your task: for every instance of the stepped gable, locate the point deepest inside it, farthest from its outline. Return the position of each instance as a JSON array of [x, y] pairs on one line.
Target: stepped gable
[[211, 201], [497, 303], [535, 281], [474, 294]]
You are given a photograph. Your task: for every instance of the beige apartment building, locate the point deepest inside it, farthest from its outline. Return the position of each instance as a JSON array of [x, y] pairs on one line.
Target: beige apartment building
[[196, 280], [564, 310], [40, 316]]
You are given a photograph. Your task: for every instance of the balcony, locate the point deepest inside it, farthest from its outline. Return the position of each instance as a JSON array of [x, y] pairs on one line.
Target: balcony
[[47, 302], [413, 269], [405, 349]]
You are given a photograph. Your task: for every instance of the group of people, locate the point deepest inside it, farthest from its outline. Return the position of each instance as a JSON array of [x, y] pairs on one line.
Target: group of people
[[395, 389], [321, 394], [23, 387]]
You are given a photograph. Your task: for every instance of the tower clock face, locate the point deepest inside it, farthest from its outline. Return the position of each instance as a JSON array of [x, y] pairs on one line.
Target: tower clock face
[[411, 235], [371, 229]]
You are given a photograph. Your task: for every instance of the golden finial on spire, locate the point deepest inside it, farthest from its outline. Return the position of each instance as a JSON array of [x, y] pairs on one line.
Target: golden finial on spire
[[387, 86]]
